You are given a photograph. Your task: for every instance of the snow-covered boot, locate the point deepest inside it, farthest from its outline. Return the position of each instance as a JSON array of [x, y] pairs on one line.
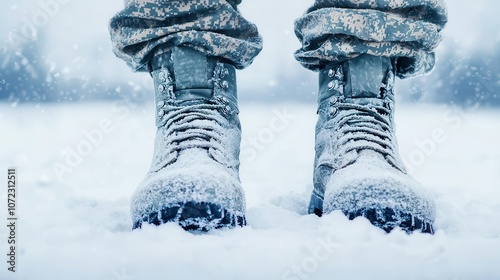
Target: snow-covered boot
[[358, 169], [194, 177]]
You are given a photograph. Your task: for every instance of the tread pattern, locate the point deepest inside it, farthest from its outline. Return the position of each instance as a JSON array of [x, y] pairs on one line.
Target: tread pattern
[[388, 219], [194, 217]]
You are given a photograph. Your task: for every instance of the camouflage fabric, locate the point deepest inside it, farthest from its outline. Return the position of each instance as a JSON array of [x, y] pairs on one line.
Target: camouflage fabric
[[336, 30], [213, 27], [330, 31]]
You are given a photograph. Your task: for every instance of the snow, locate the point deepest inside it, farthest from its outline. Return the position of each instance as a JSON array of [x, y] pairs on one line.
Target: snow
[[75, 223]]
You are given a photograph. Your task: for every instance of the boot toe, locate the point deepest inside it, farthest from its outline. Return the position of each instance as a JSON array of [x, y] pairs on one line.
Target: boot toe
[[388, 200], [194, 217], [389, 219], [196, 201]]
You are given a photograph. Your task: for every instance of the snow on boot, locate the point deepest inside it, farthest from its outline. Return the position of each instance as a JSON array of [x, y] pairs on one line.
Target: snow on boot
[[358, 169], [194, 177]]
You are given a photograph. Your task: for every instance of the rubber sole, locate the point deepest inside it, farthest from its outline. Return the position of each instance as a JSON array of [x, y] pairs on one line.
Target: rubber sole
[[388, 219], [194, 217]]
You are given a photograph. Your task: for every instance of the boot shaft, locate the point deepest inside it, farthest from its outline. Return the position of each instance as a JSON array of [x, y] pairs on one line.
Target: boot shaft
[[183, 76], [356, 114], [362, 80], [196, 110]]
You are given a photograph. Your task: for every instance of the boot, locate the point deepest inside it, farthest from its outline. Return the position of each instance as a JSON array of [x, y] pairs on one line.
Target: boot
[[194, 176], [358, 169]]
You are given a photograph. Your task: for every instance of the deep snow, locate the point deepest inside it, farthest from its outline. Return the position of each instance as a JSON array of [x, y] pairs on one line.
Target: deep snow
[[78, 226]]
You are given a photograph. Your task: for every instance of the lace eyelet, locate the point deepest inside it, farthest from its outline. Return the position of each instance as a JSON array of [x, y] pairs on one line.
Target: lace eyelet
[[334, 85], [221, 100], [390, 105], [331, 85], [227, 109], [332, 111]]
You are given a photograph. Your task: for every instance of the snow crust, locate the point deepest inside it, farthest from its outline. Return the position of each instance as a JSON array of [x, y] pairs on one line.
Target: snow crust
[[80, 227]]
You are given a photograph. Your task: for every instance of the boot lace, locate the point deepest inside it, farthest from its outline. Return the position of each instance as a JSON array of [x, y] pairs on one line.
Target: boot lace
[[196, 126], [362, 127]]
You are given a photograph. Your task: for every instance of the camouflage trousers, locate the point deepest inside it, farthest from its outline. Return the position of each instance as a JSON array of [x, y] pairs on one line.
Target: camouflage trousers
[[330, 31]]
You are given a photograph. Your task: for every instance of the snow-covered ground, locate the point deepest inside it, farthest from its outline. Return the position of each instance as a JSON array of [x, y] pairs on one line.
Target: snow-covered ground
[[78, 164]]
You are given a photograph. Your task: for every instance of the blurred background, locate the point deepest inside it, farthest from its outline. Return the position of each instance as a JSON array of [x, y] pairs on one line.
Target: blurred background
[[63, 54]]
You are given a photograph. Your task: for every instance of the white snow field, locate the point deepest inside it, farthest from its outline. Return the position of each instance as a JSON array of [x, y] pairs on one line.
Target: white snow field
[[78, 164]]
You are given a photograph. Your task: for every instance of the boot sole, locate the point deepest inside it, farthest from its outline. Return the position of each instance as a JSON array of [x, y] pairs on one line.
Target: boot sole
[[387, 219], [194, 217]]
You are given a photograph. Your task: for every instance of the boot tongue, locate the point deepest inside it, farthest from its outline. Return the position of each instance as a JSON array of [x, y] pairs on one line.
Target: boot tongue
[[190, 70], [192, 77], [364, 76], [358, 78]]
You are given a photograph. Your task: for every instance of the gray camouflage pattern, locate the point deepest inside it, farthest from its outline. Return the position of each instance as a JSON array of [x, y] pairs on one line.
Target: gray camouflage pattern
[[330, 31], [214, 27], [337, 30]]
